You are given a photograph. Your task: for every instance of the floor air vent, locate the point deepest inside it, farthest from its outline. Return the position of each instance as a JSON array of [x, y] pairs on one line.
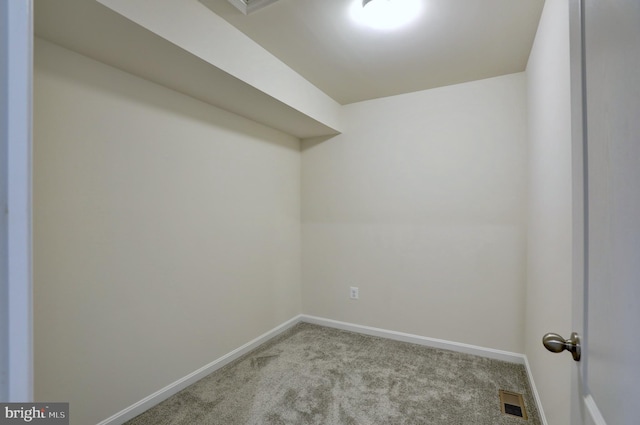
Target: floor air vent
[[512, 404]]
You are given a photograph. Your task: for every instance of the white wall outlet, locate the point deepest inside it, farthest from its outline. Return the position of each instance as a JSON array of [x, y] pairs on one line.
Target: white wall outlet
[[353, 293]]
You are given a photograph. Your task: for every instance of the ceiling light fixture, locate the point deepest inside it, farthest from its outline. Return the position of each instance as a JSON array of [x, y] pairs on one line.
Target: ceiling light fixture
[[385, 14]]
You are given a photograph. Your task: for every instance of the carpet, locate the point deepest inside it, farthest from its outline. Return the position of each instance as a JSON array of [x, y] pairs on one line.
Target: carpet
[[317, 375]]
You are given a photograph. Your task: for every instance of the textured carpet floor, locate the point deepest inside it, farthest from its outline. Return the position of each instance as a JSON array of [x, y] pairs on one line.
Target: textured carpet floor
[[317, 375]]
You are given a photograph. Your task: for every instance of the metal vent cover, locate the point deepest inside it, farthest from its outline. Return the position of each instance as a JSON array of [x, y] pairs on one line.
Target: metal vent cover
[[512, 404], [250, 6]]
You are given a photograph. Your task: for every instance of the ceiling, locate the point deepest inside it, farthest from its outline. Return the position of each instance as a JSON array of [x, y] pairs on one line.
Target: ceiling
[[452, 41], [291, 64]]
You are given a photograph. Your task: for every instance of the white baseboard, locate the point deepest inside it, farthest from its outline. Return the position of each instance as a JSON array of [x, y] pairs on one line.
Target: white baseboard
[[491, 353], [171, 389], [182, 383], [593, 417], [536, 395]]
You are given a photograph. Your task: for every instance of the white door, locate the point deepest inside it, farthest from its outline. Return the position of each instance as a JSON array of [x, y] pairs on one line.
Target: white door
[[606, 386]]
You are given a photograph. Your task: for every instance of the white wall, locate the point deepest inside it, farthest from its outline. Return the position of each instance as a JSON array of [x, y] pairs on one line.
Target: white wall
[[167, 233], [420, 203], [549, 244]]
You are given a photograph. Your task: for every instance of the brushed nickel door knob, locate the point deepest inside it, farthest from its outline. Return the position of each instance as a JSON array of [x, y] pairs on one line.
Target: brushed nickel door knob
[[557, 344]]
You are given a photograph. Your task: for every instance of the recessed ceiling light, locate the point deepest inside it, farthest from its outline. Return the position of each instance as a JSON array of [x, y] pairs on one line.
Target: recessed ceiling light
[[385, 14]]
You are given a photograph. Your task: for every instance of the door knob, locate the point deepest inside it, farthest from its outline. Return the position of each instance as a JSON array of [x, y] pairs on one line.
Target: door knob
[[557, 344]]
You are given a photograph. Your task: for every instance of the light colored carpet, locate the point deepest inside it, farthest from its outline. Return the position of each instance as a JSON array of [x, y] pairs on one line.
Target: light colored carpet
[[317, 375]]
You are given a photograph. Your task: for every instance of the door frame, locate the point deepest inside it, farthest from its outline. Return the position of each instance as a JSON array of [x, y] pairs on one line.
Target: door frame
[[584, 410], [16, 78], [579, 198]]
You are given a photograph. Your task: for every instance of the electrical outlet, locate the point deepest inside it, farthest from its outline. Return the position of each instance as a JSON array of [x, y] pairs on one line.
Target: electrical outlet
[[353, 293]]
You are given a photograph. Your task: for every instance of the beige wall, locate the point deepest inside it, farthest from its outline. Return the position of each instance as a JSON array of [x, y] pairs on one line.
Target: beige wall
[[549, 247], [166, 234], [420, 203]]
